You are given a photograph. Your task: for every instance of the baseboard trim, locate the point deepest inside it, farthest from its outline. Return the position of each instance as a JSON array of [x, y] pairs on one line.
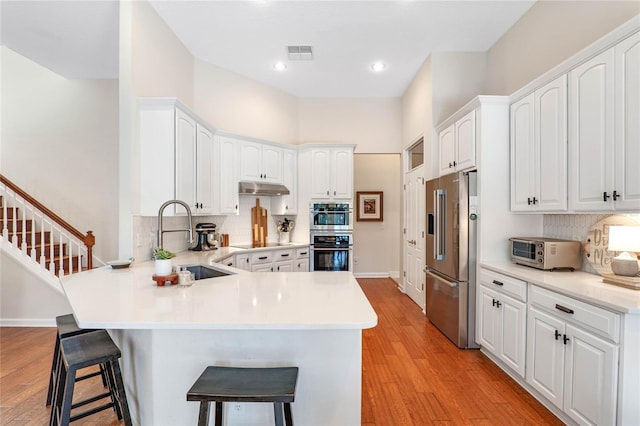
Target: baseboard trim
[[22, 322], [371, 275]]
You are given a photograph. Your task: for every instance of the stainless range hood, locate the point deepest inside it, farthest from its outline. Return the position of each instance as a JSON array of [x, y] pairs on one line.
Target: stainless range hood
[[260, 188]]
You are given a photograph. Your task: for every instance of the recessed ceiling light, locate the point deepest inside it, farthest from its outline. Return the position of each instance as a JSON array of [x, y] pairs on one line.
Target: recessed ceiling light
[[280, 66], [378, 66]]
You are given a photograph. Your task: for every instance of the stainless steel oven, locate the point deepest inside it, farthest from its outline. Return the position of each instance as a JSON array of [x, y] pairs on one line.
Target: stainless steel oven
[[325, 216], [331, 251]]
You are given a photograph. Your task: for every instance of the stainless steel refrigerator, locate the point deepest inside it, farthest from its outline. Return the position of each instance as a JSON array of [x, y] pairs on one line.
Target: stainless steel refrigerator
[[451, 256]]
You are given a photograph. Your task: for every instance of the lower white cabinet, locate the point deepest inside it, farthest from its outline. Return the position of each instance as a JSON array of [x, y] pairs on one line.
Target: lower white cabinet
[[572, 356], [501, 325], [241, 261], [302, 260], [283, 260], [277, 260]]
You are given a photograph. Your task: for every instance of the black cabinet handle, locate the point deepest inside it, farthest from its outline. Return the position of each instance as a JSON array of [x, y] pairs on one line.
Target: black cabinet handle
[[558, 334], [262, 258], [496, 282], [284, 255], [615, 195], [605, 196], [493, 302], [528, 201], [230, 264], [304, 253], [564, 309], [534, 200], [496, 303], [454, 163], [565, 339]]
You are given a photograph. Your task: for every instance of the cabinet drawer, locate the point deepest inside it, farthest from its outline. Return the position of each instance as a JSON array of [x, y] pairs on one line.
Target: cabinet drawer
[[505, 284], [228, 261], [302, 253], [597, 320], [281, 255], [261, 257]]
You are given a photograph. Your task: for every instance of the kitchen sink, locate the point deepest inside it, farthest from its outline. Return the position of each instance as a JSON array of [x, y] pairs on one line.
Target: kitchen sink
[[202, 272]]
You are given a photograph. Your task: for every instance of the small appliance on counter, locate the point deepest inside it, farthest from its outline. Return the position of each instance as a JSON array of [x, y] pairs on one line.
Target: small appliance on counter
[[546, 253], [205, 233]]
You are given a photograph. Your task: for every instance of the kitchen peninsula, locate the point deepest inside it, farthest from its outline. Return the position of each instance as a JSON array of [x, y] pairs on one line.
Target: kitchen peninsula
[[169, 334]]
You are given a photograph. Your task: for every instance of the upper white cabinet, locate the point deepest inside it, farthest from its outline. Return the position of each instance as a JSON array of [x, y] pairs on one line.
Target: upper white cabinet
[[331, 173], [539, 149], [604, 135], [288, 204], [457, 145], [176, 158], [226, 199], [260, 162]]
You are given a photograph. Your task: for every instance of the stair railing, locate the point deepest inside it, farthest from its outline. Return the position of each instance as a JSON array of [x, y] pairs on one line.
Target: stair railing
[[28, 223]]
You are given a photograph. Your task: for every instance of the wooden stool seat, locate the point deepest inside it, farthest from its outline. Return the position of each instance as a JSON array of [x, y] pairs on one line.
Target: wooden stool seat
[[231, 384], [81, 351]]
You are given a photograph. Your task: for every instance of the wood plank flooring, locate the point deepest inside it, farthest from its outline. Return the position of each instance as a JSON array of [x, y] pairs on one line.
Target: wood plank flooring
[[412, 375]]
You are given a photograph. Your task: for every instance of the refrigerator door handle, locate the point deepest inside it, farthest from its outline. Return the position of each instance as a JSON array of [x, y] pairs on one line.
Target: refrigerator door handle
[[439, 196], [437, 277]]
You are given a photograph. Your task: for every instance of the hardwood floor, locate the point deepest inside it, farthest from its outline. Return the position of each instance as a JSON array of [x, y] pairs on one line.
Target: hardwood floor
[[412, 375]]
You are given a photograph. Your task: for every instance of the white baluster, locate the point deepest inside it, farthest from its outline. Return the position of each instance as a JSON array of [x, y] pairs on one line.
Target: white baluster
[[52, 265], [5, 221], [24, 244], [33, 254], [43, 257], [60, 255]]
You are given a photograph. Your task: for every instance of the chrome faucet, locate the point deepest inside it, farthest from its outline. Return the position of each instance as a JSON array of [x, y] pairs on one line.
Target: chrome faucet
[[162, 231]]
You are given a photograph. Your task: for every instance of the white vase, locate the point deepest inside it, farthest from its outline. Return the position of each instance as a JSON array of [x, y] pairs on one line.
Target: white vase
[[284, 237], [163, 267]]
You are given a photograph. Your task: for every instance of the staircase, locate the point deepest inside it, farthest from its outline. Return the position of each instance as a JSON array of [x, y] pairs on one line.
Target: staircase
[[34, 235]]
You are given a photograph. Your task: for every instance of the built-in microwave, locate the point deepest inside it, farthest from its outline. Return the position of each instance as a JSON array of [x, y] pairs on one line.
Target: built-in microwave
[[325, 216], [546, 253]]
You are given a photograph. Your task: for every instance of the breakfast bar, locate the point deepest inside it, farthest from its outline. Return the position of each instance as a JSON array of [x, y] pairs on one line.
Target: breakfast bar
[[168, 335]]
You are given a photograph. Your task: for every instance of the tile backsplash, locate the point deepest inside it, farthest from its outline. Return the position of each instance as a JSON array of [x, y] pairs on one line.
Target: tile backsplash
[[238, 227], [573, 227]]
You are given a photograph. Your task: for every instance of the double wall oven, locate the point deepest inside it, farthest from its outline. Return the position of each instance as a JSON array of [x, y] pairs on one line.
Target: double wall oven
[[331, 238]]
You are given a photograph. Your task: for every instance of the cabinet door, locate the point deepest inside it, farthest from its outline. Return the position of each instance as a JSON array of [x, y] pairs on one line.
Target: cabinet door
[[205, 170], [513, 328], [627, 129], [185, 160], [271, 164], [228, 197], [302, 265], [522, 154], [250, 161], [545, 355], [591, 133], [465, 151], [320, 173], [488, 329], [551, 146], [591, 373], [342, 174], [242, 262], [447, 150], [283, 266]]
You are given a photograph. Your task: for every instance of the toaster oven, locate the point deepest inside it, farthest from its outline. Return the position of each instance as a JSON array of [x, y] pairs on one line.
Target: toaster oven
[[546, 253]]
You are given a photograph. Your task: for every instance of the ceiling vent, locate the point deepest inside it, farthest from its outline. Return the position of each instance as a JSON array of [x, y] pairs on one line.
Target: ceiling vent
[[300, 53]]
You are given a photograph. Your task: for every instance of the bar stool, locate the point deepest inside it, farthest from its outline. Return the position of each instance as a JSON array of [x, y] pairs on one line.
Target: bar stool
[[83, 351], [230, 384]]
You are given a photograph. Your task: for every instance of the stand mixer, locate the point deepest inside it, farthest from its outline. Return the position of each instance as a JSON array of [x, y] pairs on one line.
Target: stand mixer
[[204, 230]]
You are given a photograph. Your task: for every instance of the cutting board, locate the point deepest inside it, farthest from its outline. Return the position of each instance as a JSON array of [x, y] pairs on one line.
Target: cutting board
[[259, 229]]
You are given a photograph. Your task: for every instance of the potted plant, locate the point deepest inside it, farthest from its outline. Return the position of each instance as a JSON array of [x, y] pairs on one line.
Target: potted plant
[[163, 261]]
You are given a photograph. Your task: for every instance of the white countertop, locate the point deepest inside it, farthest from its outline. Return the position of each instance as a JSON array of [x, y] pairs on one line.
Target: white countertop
[[580, 285], [129, 299]]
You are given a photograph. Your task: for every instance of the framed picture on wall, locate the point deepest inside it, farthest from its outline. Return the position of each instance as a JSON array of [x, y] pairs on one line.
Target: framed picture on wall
[[369, 206]]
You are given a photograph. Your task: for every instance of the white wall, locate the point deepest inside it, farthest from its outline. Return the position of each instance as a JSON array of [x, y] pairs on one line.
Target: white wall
[[60, 144], [236, 104], [417, 116], [549, 33], [376, 245], [374, 124]]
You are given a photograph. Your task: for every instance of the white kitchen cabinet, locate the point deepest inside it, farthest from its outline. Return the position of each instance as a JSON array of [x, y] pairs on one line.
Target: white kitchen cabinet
[[572, 356], [302, 259], [288, 204], [176, 157], [226, 198], [283, 260], [260, 162], [457, 145], [331, 173], [501, 319], [241, 261], [539, 149], [604, 138]]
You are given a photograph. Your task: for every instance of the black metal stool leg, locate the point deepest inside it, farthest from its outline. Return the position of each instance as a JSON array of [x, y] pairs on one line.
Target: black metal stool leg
[[218, 413], [203, 415], [54, 362], [288, 419], [68, 378], [122, 396]]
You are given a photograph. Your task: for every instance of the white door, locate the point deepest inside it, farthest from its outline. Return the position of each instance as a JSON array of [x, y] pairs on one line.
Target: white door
[[465, 155], [488, 327], [250, 161], [342, 174], [205, 170], [228, 198], [415, 223], [446, 150], [272, 164], [185, 160], [320, 180], [513, 328], [522, 154]]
